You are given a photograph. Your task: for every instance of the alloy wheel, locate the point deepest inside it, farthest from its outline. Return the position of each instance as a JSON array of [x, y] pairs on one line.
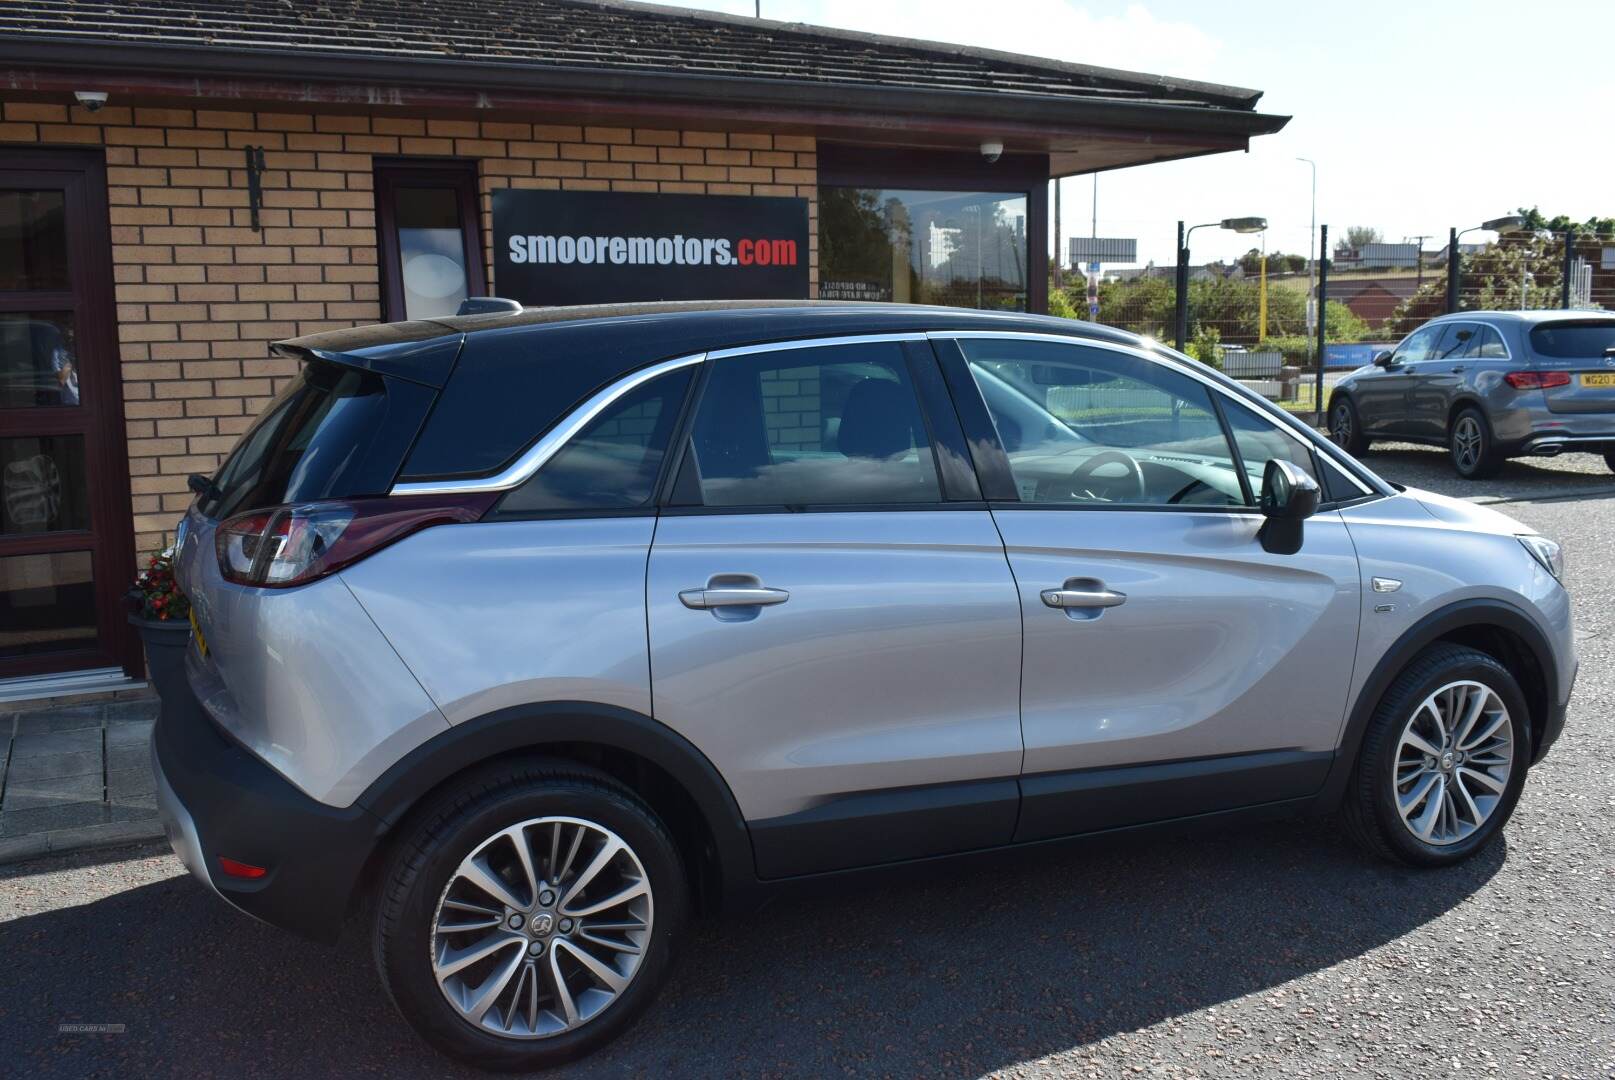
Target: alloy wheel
[[1340, 425], [1453, 762], [541, 927], [1467, 440]]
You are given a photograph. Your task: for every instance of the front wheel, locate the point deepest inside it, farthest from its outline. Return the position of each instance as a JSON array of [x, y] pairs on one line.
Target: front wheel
[[1442, 762], [1609, 459], [529, 916]]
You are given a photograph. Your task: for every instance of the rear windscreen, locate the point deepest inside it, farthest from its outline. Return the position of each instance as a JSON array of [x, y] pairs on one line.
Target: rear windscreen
[[333, 432], [1574, 339]]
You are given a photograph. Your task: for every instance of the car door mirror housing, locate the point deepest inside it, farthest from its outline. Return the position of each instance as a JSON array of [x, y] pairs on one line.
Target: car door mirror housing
[[1382, 358], [1289, 497]]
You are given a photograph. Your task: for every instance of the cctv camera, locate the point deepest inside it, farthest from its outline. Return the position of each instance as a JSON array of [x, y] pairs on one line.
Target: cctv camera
[[91, 99], [992, 151]]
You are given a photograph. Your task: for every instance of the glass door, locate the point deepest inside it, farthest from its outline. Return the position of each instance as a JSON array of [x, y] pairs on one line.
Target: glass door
[[66, 539]]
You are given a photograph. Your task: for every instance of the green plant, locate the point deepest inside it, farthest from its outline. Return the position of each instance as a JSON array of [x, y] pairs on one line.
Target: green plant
[[1060, 305], [1206, 345], [156, 594]]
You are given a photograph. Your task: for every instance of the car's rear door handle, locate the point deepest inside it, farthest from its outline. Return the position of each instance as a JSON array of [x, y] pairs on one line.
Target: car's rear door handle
[[722, 596], [1459, 370], [1066, 598]]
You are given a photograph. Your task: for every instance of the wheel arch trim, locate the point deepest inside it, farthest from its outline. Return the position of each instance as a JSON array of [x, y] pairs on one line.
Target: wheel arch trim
[[1460, 615], [532, 727]]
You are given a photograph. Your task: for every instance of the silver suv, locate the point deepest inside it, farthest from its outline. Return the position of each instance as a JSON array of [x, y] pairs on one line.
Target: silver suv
[[529, 635], [1488, 385]]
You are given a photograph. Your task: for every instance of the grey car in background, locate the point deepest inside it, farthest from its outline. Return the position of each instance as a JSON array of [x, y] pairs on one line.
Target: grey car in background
[[1488, 385], [527, 636]]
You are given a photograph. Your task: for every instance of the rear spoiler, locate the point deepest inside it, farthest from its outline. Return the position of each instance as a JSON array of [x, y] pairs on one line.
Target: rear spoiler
[[427, 362]]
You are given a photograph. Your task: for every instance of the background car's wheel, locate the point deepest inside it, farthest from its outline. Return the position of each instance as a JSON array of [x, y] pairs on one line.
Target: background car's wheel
[[1609, 459], [1345, 427], [1469, 439], [1442, 762], [529, 915]]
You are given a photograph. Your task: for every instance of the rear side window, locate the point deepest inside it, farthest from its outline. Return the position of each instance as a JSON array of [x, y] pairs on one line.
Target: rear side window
[[838, 425], [1574, 340], [333, 432], [1486, 345], [612, 464]]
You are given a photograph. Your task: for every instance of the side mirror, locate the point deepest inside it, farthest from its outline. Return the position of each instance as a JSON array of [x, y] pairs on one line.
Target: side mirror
[[1289, 497], [1383, 358]]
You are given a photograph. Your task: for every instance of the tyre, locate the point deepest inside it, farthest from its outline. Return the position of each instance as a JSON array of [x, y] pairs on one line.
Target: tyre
[[1345, 427], [1609, 459], [1469, 439], [1442, 762], [529, 915]]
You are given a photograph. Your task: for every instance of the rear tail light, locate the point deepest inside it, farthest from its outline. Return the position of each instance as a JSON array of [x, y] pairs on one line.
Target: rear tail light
[[1537, 380], [237, 868], [292, 545]]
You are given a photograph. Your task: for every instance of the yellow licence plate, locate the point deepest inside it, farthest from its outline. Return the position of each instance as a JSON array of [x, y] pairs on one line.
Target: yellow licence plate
[[196, 635], [1601, 378]]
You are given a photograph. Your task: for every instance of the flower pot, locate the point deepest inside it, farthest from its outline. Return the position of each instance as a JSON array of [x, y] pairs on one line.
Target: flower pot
[[166, 641]]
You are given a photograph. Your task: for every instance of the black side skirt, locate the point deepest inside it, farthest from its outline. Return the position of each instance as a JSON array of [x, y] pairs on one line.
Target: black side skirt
[[874, 828]]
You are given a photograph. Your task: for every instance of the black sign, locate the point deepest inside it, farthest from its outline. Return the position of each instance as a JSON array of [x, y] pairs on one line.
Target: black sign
[[596, 247]]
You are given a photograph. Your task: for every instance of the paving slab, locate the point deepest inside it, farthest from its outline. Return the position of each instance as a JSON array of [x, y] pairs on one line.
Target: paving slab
[[52, 766], [35, 794], [129, 733], [72, 718], [56, 742]]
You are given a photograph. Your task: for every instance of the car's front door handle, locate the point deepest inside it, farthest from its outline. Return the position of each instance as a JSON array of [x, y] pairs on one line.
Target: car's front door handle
[[723, 596], [1068, 598]]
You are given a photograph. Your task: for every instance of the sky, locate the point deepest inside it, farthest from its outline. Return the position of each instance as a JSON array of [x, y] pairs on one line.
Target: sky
[[1420, 114]]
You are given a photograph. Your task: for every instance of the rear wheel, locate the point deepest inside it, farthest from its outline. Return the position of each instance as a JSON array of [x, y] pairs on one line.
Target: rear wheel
[[529, 916], [1345, 426], [1442, 762], [1609, 459], [1469, 439]]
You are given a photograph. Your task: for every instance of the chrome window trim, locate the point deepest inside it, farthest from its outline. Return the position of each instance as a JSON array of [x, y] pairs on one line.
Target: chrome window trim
[[811, 343], [535, 456], [1320, 446]]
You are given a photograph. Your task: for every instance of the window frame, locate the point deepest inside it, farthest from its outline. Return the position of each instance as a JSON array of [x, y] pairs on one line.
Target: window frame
[[992, 461], [456, 174]]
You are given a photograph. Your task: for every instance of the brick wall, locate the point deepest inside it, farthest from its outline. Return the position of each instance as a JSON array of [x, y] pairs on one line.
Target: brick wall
[[200, 295]]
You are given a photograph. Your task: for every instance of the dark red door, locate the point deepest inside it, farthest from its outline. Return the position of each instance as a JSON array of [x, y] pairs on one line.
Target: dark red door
[[66, 538]]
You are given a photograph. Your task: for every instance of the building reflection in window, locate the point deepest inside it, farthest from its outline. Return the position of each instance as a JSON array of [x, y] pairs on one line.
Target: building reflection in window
[[963, 249]]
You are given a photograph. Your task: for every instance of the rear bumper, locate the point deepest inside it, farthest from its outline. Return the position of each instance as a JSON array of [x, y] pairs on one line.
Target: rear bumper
[[216, 799], [1549, 444]]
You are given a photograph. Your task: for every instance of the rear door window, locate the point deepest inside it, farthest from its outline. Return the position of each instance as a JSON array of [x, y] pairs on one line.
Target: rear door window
[[1455, 342], [837, 425]]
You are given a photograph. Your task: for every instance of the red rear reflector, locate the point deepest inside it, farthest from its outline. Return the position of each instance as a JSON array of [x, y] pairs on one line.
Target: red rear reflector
[[240, 869], [1537, 380]]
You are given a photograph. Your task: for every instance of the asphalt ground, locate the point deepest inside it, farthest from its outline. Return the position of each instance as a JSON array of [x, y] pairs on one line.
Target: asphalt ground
[[1269, 951]]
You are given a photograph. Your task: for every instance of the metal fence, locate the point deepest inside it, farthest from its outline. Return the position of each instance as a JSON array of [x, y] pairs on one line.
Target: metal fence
[[1289, 330]]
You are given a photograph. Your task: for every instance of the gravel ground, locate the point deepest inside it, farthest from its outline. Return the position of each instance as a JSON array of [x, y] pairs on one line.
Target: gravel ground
[[1275, 951]]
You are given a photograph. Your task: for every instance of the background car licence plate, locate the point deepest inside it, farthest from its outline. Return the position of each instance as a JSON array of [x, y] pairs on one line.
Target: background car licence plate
[[1601, 378]]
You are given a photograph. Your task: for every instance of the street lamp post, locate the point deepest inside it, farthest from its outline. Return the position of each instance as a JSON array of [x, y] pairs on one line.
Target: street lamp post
[[1238, 225], [1454, 270], [1261, 296], [1312, 246]]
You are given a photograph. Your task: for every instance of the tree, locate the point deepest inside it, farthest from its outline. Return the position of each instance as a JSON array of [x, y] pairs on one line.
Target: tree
[[1491, 280], [1356, 237], [1536, 221], [1277, 262]]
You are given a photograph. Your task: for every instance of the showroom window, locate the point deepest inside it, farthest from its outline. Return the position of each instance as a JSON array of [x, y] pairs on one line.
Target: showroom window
[[958, 248], [431, 250]]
